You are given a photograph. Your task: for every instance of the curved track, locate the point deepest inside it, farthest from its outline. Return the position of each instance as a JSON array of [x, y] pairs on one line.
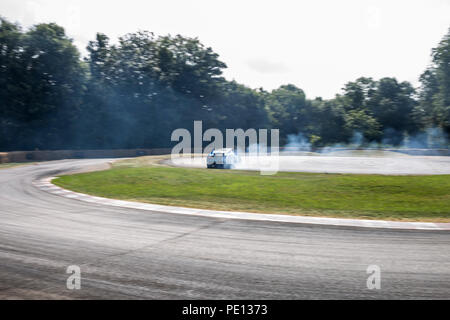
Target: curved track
[[130, 253], [392, 164]]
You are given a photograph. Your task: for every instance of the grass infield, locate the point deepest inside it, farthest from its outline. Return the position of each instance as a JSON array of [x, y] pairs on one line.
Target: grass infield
[[413, 198]]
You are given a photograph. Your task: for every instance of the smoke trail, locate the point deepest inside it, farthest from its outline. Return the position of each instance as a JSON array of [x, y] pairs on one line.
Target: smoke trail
[[297, 142], [430, 138]]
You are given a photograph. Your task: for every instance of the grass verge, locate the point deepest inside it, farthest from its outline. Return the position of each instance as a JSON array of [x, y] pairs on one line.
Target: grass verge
[[411, 198]]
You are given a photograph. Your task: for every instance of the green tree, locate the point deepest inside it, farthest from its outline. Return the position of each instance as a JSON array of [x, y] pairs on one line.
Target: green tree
[[10, 90], [357, 93], [392, 104], [290, 111], [144, 87], [43, 78], [434, 107]]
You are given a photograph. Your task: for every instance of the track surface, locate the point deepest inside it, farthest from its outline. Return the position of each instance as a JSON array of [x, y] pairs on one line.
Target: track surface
[[133, 254], [393, 164]]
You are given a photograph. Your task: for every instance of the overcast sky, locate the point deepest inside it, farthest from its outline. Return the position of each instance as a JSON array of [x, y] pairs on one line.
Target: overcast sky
[[317, 45]]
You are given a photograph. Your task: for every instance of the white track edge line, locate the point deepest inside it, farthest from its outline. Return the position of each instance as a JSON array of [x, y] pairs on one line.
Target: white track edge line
[[46, 185]]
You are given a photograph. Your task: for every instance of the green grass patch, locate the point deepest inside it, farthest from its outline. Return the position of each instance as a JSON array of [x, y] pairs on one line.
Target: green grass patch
[[414, 198]]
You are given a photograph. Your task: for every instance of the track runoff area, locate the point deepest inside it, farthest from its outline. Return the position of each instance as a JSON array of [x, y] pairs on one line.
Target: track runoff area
[[212, 258], [200, 257]]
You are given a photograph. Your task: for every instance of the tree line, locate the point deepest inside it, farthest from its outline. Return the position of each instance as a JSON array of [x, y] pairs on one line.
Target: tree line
[[134, 93]]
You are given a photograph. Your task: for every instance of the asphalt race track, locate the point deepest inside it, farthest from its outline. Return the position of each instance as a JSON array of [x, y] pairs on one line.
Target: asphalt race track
[[393, 164], [136, 254]]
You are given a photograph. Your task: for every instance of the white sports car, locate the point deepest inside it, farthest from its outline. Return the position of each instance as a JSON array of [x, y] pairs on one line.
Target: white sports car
[[222, 158]]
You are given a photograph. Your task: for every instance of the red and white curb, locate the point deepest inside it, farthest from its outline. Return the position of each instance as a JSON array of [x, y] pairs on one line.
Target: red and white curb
[[46, 185]]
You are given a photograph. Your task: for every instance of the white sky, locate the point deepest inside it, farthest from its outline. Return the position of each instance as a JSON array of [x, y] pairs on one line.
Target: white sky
[[317, 45]]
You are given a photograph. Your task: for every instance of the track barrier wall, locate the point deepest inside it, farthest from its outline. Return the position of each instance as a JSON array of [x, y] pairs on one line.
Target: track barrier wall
[[26, 156]]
